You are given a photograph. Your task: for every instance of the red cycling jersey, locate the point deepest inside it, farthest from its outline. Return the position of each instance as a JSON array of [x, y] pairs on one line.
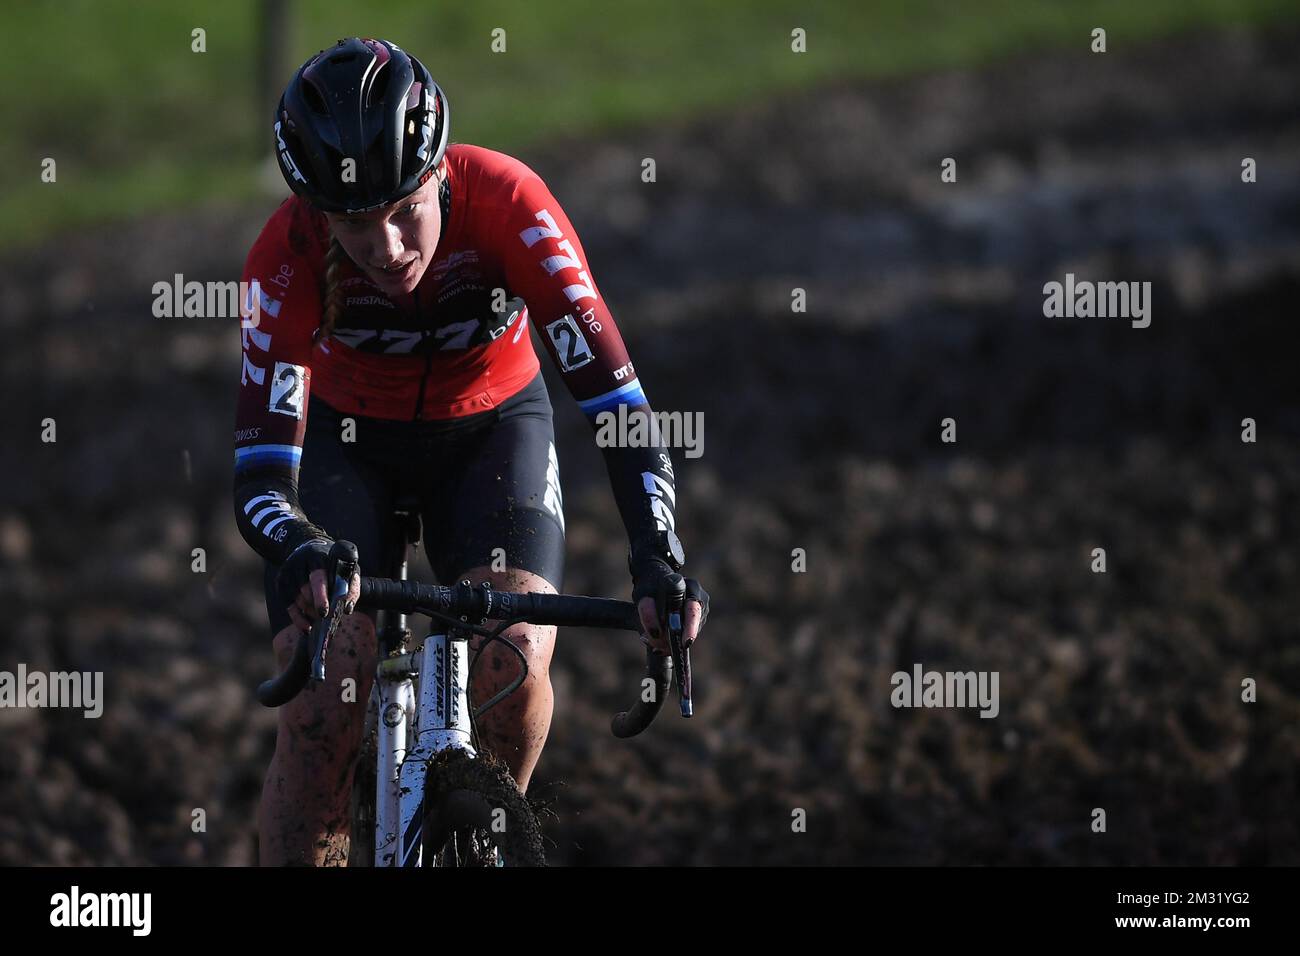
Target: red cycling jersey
[[441, 352], [446, 351]]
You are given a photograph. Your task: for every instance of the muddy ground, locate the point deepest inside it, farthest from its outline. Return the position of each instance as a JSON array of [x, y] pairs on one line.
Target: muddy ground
[[1119, 691]]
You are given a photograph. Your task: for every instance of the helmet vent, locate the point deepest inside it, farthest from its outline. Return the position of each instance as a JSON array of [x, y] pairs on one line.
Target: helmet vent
[[379, 88], [311, 95]]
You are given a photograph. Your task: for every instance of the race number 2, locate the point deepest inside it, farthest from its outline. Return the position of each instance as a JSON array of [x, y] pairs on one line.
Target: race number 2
[[570, 344], [288, 387]]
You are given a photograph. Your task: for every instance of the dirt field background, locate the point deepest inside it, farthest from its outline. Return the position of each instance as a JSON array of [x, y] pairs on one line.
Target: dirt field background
[[1119, 691]]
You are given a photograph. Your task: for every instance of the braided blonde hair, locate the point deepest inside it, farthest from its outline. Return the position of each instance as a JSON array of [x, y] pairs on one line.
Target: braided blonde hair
[[332, 297]]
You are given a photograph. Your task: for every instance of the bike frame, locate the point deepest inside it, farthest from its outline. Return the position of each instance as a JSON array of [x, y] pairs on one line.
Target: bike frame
[[408, 738], [436, 675]]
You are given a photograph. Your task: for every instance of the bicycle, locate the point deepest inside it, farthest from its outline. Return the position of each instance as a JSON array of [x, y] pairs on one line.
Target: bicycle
[[438, 802]]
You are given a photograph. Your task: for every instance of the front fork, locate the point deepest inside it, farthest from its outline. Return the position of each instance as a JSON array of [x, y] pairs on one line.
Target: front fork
[[442, 721]]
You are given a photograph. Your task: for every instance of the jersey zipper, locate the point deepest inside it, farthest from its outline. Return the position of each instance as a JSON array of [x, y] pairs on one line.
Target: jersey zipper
[[428, 363]]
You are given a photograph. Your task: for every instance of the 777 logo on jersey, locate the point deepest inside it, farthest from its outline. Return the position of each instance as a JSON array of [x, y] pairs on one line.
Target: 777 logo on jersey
[[567, 259], [662, 498]]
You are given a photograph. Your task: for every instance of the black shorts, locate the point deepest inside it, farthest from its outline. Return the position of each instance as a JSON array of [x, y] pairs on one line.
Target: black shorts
[[486, 481]]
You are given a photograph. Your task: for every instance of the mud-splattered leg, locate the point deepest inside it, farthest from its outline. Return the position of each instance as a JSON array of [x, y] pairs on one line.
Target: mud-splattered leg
[[515, 730], [304, 818]]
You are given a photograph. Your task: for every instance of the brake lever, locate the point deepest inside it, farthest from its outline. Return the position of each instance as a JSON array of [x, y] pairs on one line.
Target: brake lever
[[681, 653], [342, 565], [321, 633]]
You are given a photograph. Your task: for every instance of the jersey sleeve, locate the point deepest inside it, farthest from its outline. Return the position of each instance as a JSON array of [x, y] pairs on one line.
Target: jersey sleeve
[[546, 265], [281, 313]]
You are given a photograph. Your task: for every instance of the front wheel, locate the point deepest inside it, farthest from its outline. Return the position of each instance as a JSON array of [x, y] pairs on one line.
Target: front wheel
[[472, 809]]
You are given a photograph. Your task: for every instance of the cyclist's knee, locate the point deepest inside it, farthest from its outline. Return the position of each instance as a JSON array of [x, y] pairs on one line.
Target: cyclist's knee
[[354, 638], [331, 715], [535, 641]]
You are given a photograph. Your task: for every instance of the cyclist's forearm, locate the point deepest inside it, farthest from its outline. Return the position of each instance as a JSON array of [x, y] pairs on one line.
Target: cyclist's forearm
[[270, 426], [270, 517], [644, 489]]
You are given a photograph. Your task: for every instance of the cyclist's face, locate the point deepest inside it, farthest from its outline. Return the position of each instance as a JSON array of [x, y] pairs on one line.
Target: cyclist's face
[[393, 245]]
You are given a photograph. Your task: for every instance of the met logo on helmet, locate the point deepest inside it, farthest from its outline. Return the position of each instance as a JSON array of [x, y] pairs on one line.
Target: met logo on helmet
[[285, 158], [427, 129]]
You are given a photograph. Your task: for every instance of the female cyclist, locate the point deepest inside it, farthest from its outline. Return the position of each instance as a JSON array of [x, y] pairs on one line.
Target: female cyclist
[[390, 357]]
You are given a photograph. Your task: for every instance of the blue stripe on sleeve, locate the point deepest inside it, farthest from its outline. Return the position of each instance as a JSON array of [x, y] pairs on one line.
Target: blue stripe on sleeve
[[629, 394], [288, 455]]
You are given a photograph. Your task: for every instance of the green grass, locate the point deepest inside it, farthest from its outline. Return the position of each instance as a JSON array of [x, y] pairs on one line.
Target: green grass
[[139, 122]]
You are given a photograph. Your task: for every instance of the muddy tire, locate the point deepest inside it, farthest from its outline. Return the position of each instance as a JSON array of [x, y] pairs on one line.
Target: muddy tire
[[463, 795]]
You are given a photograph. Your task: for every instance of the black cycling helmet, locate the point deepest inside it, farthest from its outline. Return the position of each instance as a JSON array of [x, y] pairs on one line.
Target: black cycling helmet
[[368, 101]]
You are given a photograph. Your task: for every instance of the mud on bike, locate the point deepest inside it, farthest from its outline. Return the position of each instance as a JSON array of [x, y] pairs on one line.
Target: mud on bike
[[423, 795]]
